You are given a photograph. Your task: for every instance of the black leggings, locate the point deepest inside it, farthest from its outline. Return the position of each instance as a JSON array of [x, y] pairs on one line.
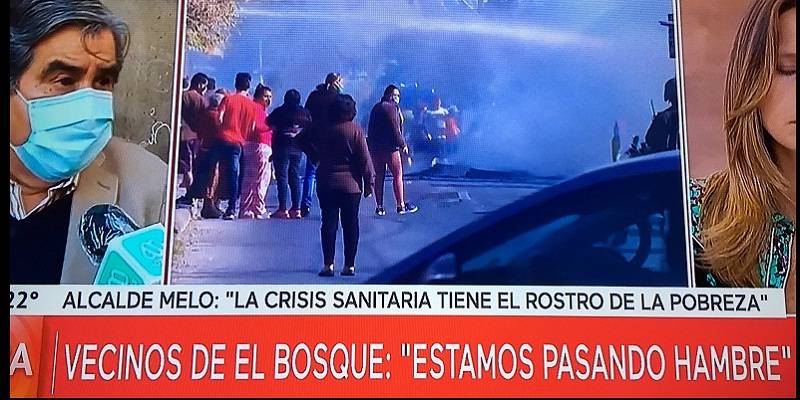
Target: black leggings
[[332, 204]]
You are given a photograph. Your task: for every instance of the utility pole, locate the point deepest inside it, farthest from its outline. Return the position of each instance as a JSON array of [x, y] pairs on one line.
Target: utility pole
[[670, 24]]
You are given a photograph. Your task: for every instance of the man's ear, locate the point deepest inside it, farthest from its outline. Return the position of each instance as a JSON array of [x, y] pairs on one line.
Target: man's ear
[[20, 123]]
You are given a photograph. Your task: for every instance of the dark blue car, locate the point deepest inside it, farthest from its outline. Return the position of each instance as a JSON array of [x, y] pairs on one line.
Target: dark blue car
[[620, 225]]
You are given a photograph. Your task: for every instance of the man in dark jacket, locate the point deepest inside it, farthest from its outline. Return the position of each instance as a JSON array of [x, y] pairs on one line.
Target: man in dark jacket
[[662, 135], [318, 104], [386, 142]]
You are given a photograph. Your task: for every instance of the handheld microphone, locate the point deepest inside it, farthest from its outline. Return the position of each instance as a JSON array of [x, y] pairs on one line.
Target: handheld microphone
[[124, 253]]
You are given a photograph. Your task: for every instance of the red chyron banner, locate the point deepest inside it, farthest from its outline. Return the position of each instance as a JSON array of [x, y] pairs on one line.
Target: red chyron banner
[[402, 356]]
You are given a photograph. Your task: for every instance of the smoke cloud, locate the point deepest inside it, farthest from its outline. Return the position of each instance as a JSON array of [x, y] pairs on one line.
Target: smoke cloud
[[539, 83]]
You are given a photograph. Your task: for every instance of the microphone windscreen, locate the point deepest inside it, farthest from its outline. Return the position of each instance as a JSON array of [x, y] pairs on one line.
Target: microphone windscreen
[[99, 225], [135, 258]]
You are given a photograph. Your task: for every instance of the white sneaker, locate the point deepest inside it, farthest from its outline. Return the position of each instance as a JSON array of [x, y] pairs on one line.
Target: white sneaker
[[248, 215]]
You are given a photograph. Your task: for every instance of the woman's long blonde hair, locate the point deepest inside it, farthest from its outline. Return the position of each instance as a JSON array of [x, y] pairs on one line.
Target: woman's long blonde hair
[[740, 200]]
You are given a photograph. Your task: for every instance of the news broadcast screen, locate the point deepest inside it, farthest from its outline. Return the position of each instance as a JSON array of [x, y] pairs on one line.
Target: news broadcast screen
[[402, 198]]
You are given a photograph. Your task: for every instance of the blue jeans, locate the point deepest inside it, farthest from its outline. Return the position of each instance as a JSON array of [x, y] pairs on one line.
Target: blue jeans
[[228, 155], [309, 183], [287, 174]]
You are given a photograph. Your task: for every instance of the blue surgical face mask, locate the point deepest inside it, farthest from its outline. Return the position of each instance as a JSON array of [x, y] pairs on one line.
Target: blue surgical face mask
[[67, 132]]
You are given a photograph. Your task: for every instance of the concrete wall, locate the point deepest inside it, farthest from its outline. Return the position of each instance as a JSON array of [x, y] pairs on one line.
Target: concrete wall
[[708, 28], [143, 96]]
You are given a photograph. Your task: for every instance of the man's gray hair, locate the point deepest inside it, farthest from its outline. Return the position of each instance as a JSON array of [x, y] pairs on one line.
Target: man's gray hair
[[33, 20]]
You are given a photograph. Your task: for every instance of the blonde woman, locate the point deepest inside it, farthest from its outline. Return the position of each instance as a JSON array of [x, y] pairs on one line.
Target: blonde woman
[[743, 216]]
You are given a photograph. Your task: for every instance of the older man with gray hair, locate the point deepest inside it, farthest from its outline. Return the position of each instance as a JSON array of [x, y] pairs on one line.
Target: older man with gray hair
[[65, 60]]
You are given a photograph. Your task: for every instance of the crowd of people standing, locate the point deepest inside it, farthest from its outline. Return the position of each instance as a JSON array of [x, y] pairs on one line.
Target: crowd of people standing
[[231, 145]]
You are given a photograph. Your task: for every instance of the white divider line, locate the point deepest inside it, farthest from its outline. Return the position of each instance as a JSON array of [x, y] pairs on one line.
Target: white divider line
[[55, 357]]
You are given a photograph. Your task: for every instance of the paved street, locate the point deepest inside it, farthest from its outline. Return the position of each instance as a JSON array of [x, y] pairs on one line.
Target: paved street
[[289, 252]]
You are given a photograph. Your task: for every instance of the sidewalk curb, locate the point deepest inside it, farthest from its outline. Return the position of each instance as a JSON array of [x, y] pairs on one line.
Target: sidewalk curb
[[182, 218]]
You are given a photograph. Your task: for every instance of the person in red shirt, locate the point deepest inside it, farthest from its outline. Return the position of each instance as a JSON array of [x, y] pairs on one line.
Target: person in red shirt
[[237, 115], [256, 168], [208, 134]]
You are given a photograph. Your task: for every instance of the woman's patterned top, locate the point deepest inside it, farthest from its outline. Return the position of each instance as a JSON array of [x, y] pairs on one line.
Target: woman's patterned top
[[775, 261]]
